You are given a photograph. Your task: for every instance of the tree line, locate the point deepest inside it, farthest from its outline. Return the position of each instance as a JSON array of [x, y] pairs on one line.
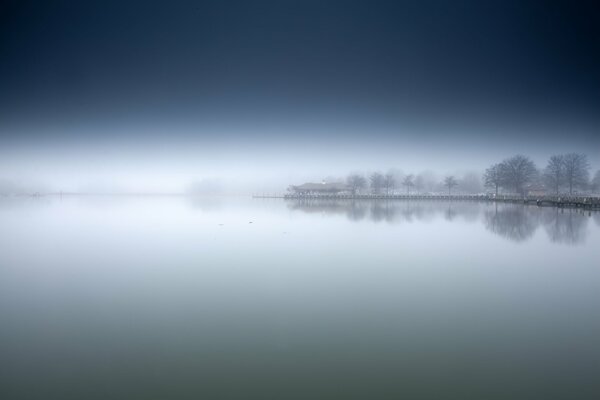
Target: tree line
[[387, 183], [564, 173]]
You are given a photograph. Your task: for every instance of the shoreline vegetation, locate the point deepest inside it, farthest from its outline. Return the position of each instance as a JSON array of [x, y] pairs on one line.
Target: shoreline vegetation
[[590, 202], [564, 178], [585, 202]]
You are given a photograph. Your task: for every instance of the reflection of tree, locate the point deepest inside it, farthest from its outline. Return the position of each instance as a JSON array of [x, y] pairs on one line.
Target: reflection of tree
[[512, 221], [411, 210], [388, 211], [516, 222], [356, 211], [382, 211], [565, 226], [449, 214]]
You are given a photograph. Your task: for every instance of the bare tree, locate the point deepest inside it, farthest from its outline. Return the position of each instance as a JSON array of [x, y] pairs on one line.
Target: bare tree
[[518, 171], [596, 182], [377, 182], [389, 183], [577, 170], [493, 177], [471, 183], [408, 182], [450, 182], [419, 183], [427, 181], [554, 173], [356, 182]]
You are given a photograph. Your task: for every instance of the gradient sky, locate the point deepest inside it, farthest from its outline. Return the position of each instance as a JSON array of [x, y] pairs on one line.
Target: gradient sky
[[157, 94]]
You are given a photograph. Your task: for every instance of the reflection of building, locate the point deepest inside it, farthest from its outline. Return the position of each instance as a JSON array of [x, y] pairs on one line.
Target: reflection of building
[[320, 188]]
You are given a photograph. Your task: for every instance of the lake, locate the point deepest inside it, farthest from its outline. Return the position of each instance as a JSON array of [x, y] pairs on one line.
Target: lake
[[125, 297]]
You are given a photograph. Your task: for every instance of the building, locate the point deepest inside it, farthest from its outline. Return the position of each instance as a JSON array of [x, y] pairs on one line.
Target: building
[[320, 188], [535, 190]]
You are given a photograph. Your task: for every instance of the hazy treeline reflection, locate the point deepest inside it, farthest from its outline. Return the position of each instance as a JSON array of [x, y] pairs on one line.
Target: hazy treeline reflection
[[566, 226], [519, 223], [389, 211], [515, 222]]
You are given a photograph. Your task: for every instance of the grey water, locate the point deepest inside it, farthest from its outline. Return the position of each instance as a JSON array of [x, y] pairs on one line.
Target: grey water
[[236, 298]]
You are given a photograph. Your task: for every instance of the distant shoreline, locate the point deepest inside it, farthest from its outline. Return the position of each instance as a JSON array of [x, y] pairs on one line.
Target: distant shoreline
[[140, 194], [591, 202], [583, 202]]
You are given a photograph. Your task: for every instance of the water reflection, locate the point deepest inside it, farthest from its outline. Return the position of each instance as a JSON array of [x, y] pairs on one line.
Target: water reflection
[[388, 211], [512, 221], [515, 222], [565, 226], [169, 294]]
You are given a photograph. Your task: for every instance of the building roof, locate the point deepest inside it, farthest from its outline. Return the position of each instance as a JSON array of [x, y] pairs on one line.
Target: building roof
[[325, 186], [535, 187]]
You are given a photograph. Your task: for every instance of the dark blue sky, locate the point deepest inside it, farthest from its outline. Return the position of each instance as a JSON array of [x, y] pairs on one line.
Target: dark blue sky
[[467, 77]]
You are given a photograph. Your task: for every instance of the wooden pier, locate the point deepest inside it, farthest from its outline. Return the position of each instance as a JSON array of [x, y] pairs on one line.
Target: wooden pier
[[585, 202]]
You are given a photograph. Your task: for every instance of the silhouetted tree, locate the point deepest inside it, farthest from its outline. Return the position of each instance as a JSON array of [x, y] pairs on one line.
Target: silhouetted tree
[[518, 171], [377, 182], [470, 183], [389, 182], [493, 177], [408, 182], [596, 182], [427, 181], [356, 182], [577, 170], [554, 173], [450, 182], [419, 183]]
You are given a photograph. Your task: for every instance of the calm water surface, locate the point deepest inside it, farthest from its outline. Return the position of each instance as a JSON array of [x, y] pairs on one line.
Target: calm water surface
[[219, 298]]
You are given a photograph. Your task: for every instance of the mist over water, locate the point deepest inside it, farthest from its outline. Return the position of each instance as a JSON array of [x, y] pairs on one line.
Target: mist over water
[[220, 297]]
